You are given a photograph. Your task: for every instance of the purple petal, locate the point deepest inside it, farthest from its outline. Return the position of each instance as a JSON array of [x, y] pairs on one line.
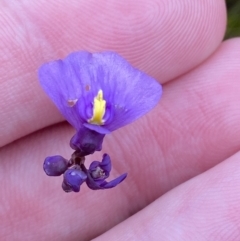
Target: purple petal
[[61, 83], [114, 182], [73, 179], [106, 164], [55, 165], [74, 82], [129, 92]]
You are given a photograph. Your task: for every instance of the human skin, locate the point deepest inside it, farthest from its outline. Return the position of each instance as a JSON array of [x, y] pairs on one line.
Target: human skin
[[182, 158]]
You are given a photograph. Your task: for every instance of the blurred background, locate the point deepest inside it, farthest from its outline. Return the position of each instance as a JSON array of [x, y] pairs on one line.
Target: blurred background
[[233, 27]]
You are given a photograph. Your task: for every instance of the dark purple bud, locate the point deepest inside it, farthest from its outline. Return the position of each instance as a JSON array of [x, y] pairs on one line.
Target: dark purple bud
[[55, 165], [87, 141], [73, 179]]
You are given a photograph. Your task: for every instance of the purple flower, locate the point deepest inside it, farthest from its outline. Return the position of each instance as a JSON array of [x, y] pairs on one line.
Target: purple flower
[[97, 93], [100, 91], [99, 171]]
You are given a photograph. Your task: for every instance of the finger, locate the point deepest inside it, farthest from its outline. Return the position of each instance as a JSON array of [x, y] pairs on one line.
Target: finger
[[163, 38], [170, 145], [204, 208]]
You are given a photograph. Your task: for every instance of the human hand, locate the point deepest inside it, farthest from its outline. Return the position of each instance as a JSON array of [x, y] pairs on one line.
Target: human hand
[[194, 127]]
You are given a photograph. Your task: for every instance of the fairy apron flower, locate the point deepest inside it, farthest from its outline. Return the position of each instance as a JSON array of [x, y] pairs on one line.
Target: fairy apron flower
[[97, 94]]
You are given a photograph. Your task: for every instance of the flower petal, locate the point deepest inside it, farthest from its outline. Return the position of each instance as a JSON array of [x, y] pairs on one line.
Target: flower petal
[[114, 182], [129, 93], [61, 82], [106, 164]]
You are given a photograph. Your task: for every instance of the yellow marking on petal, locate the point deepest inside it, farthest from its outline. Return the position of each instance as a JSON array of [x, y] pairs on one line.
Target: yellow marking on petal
[[99, 108]]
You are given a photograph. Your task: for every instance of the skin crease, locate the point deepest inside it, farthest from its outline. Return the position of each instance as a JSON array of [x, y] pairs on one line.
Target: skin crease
[[194, 127]]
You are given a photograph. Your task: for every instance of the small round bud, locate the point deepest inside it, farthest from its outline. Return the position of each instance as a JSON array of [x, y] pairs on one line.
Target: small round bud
[[73, 179], [55, 165]]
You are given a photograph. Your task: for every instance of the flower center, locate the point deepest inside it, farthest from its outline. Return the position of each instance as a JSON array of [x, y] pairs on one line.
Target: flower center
[[99, 108], [98, 173]]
